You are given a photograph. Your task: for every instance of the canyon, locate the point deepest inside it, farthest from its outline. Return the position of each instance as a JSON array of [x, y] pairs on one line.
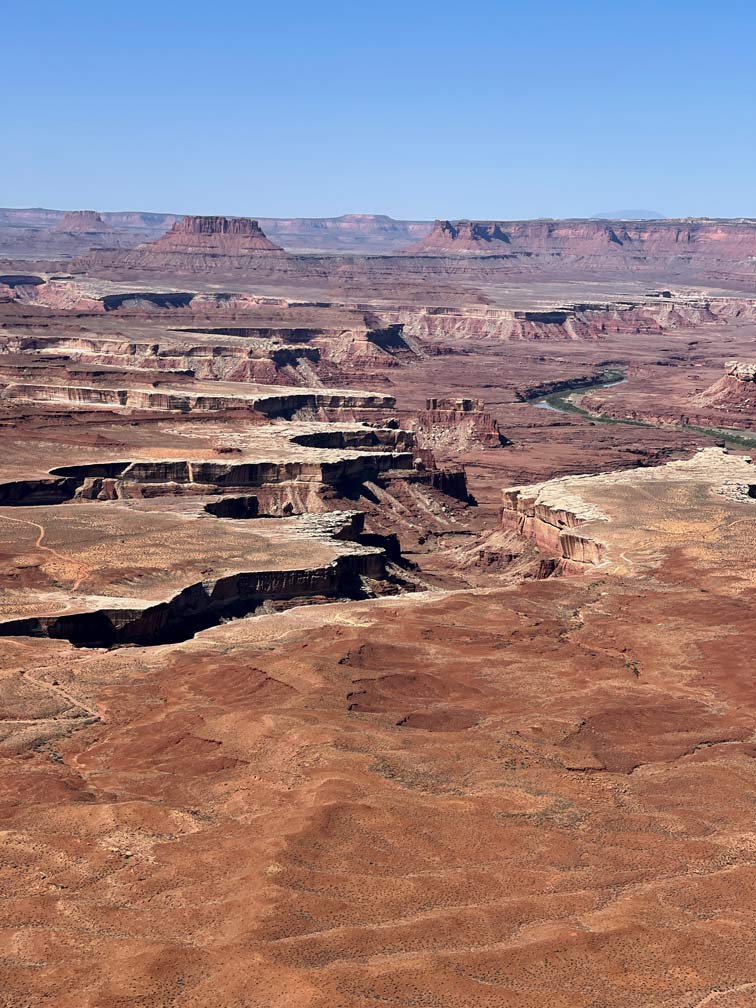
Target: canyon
[[376, 612]]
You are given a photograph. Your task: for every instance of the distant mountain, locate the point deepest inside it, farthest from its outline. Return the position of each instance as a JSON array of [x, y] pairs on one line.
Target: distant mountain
[[630, 215]]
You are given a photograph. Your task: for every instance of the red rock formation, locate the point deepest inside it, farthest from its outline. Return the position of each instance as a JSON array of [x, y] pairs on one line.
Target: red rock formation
[[717, 239], [82, 222], [456, 423], [215, 236], [735, 390]]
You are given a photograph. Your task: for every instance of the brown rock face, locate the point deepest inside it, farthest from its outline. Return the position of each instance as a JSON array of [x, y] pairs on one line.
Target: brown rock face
[[82, 222], [735, 390], [224, 236], [717, 239], [462, 236]]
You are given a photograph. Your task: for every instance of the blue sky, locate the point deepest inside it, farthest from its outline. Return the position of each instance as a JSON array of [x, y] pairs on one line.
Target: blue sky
[[416, 109]]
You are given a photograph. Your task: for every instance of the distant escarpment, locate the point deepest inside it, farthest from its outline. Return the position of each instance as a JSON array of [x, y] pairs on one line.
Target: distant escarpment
[[718, 238], [352, 254], [362, 233], [29, 230], [203, 243], [716, 248]]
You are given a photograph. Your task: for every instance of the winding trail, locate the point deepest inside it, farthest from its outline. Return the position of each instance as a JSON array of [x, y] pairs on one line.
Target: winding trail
[[39, 544], [712, 998]]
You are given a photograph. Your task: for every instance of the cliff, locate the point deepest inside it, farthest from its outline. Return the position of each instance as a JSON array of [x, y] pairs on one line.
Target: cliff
[[548, 514], [717, 239], [215, 236], [454, 424], [82, 222], [620, 521]]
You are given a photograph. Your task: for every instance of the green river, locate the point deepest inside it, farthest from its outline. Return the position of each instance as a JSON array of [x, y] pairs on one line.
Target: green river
[[566, 401]]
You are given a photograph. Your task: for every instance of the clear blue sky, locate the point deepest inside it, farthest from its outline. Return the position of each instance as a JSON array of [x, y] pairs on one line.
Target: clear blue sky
[[416, 109]]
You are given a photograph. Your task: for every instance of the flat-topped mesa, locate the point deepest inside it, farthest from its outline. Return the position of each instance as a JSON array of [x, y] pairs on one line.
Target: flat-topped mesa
[[217, 236], [464, 234], [368, 233], [713, 239], [82, 222]]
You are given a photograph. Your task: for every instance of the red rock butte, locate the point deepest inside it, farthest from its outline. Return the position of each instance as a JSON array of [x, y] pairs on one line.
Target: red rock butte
[[227, 236], [82, 222]]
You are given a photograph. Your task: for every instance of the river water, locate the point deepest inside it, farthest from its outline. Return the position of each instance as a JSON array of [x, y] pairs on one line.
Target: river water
[[567, 401]]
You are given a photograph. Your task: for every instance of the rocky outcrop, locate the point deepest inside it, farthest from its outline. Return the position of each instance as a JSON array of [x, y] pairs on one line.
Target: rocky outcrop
[[562, 518], [41, 234], [82, 222], [574, 322], [549, 514], [270, 404], [453, 254], [213, 236], [689, 248], [366, 233], [221, 359], [463, 236], [735, 390], [457, 425], [208, 602], [200, 244], [743, 372], [716, 238], [344, 458]]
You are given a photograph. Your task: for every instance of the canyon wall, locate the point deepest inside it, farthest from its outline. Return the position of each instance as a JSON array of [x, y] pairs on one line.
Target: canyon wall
[[549, 515], [734, 239]]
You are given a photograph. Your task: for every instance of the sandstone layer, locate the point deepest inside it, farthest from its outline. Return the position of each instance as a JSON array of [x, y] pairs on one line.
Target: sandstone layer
[[214, 236], [735, 239]]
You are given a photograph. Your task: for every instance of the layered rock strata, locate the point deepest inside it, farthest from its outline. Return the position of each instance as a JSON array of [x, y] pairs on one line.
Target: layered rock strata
[[715, 238], [595, 521], [171, 611], [456, 424], [212, 236], [269, 402]]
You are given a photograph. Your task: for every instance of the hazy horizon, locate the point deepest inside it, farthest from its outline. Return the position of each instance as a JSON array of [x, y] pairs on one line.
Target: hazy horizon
[[617, 215]]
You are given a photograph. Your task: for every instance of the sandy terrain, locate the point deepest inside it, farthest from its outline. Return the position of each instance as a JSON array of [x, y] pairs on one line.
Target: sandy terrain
[[376, 648]]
